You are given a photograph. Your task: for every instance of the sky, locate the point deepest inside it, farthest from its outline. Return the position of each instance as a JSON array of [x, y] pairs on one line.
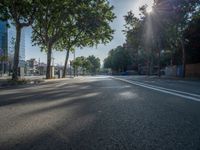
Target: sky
[[121, 7]]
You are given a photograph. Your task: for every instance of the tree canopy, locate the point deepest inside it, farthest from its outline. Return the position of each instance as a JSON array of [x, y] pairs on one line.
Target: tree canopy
[[166, 36], [90, 64], [67, 24], [118, 59]]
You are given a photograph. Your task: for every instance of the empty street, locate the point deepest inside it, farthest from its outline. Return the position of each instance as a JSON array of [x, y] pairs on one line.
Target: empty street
[[101, 113]]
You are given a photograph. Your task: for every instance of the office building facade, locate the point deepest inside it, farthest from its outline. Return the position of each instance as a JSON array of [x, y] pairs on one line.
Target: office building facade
[[7, 47], [11, 45], [3, 47]]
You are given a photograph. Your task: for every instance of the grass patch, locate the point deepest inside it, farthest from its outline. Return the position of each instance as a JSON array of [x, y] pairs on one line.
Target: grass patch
[[17, 82], [22, 81]]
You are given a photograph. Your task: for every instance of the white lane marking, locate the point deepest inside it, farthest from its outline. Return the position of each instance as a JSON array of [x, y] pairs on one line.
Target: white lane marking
[[60, 84], [164, 90], [181, 92]]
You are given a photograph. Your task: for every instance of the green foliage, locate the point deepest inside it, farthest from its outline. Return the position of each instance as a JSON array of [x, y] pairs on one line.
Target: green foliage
[[18, 11], [51, 20], [91, 64], [22, 81], [118, 59], [175, 20], [17, 82], [87, 26], [134, 35], [78, 62], [192, 34], [161, 37], [66, 24], [94, 19], [95, 64]]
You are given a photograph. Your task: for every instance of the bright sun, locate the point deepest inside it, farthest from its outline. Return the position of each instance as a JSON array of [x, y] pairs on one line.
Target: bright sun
[[149, 9]]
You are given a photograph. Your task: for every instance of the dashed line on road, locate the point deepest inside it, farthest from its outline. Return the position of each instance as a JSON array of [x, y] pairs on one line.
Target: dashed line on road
[[182, 94]]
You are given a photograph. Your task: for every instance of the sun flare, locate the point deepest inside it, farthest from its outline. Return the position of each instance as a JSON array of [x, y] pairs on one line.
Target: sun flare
[[149, 9]]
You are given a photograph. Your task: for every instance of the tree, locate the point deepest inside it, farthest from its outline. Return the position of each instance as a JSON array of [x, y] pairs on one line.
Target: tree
[[118, 59], [21, 13], [86, 66], [49, 26], [90, 64], [89, 27], [94, 64], [134, 35], [107, 62], [140, 39], [82, 63], [192, 36], [177, 19], [162, 30], [77, 63], [72, 37], [72, 24], [65, 43]]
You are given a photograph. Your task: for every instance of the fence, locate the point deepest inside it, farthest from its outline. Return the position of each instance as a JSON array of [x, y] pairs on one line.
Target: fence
[[191, 70], [170, 71]]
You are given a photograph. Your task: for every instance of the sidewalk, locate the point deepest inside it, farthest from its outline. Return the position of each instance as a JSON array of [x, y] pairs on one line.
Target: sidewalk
[[6, 81], [178, 78], [29, 80]]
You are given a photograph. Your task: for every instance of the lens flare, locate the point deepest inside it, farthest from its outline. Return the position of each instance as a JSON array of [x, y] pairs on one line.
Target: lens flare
[[149, 9]]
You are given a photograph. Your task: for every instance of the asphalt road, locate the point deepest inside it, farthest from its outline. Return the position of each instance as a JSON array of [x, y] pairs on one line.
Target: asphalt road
[[192, 86], [97, 113]]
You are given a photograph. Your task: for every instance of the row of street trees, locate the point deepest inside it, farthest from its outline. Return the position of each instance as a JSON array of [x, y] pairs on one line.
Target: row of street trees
[[118, 59], [59, 25], [89, 65], [167, 35]]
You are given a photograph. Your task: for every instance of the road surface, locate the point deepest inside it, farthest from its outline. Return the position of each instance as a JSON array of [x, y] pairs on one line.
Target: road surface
[[98, 113]]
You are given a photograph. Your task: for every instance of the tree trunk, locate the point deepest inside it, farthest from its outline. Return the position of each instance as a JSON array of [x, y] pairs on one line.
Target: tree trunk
[[49, 52], [74, 70], [183, 57], [65, 66], [16, 54]]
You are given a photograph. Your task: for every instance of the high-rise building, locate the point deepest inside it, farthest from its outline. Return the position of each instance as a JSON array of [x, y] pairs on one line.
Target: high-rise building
[[11, 44], [7, 47], [3, 46]]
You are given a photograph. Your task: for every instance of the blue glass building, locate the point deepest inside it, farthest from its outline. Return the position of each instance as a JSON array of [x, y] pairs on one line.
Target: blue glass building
[[3, 46], [7, 47], [11, 45]]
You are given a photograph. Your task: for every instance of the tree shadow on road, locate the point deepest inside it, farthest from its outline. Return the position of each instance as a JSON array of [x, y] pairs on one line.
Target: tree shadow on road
[[93, 116]]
